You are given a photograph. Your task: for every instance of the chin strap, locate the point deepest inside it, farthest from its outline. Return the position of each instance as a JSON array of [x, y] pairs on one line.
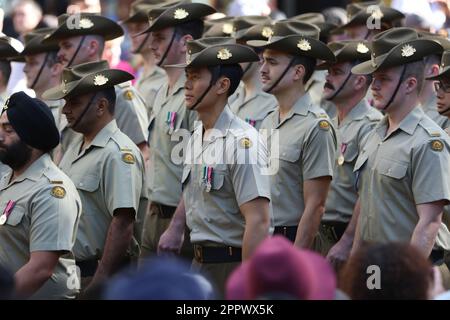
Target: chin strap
[[76, 51], [168, 48], [214, 76], [291, 63], [84, 111], [396, 89], [40, 70], [341, 87]]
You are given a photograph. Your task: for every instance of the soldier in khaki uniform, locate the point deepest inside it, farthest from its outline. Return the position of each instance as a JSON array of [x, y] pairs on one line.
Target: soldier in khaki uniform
[[225, 192], [43, 71], [355, 119], [441, 82], [152, 77], [81, 39], [314, 86], [403, 174], [305, 149], [40, 205], [170, 122], [428, 99], [254, 105], [107, 169]]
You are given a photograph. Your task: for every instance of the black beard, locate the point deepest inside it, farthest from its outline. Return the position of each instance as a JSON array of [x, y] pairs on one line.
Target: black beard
[[15, 155]]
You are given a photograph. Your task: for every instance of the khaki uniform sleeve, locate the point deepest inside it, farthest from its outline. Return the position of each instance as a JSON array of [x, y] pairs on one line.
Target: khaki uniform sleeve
[[131, 114], [319, 151], [123, 181], [247, 170], [54, 220], [431, 171]]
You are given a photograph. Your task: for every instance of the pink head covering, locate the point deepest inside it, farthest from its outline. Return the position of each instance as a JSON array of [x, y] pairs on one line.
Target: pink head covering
[[277, 267]]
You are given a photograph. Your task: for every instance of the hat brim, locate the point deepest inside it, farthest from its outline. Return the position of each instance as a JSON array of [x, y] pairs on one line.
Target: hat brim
[[109, 31], [196, 11], [395, 57], [319, 50], [84, 85], [208, 57]]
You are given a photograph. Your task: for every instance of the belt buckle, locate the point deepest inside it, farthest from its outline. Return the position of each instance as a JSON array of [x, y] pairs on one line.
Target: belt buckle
[[198, 252]]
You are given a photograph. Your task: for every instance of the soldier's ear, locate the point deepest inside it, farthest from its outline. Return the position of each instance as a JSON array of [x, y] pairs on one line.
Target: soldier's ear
[[299, 73], [183, 42], [102, 106], [223, 85], [411, 84]]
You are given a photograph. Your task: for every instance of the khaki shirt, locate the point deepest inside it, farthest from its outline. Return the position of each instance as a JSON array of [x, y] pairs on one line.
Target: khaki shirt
[[398, 172], [166, 163], [109, 174], [44, 218], [350, 134], [56, 109], [254, 109], [149, 84], [239, 94], [3, 98], [237, 156], [131, 113], [305, 150], [430, 109]]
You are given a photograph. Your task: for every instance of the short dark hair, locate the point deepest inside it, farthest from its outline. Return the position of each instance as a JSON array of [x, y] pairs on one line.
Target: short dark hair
[[193, 27], [110, 95], [405, 273], [308, 63], [233, 72], [5, 70], [416, 70]]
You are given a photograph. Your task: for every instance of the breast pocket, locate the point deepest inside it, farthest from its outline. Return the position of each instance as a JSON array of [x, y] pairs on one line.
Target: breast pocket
[[88, 183], [289, 153], [392, 169], [15, 216]]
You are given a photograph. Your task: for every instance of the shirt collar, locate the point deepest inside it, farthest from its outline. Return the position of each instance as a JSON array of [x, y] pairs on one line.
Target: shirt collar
[[407, 125], [357, 113], [34, 172], [102, 138]]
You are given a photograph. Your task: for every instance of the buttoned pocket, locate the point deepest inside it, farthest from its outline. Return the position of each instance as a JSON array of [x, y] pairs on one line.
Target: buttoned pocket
[[289, 153], [16, 216], [88, 183], [392, 169]]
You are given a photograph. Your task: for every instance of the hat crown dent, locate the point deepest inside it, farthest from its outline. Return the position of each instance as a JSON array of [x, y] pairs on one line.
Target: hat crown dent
[[197, 46], [385, 41], [245, 22], [295, 28]]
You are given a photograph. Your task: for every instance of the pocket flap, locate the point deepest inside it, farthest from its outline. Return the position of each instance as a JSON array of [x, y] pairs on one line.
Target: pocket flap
[[391, 168], [289, 153], [88, 183], [16, 215]]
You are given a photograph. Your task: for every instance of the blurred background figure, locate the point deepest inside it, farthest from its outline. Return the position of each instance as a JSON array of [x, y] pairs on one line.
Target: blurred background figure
[[404, 273], [92, 6], [159, 279], [112, 53], [26, 16], [301, 275]]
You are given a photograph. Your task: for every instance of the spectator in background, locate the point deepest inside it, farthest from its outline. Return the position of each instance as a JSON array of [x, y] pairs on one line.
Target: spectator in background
[[404, 273], [248, 8], [159, 279], [92, 6], [27, 15], [112, 54], [5, 72], [302, 274]]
